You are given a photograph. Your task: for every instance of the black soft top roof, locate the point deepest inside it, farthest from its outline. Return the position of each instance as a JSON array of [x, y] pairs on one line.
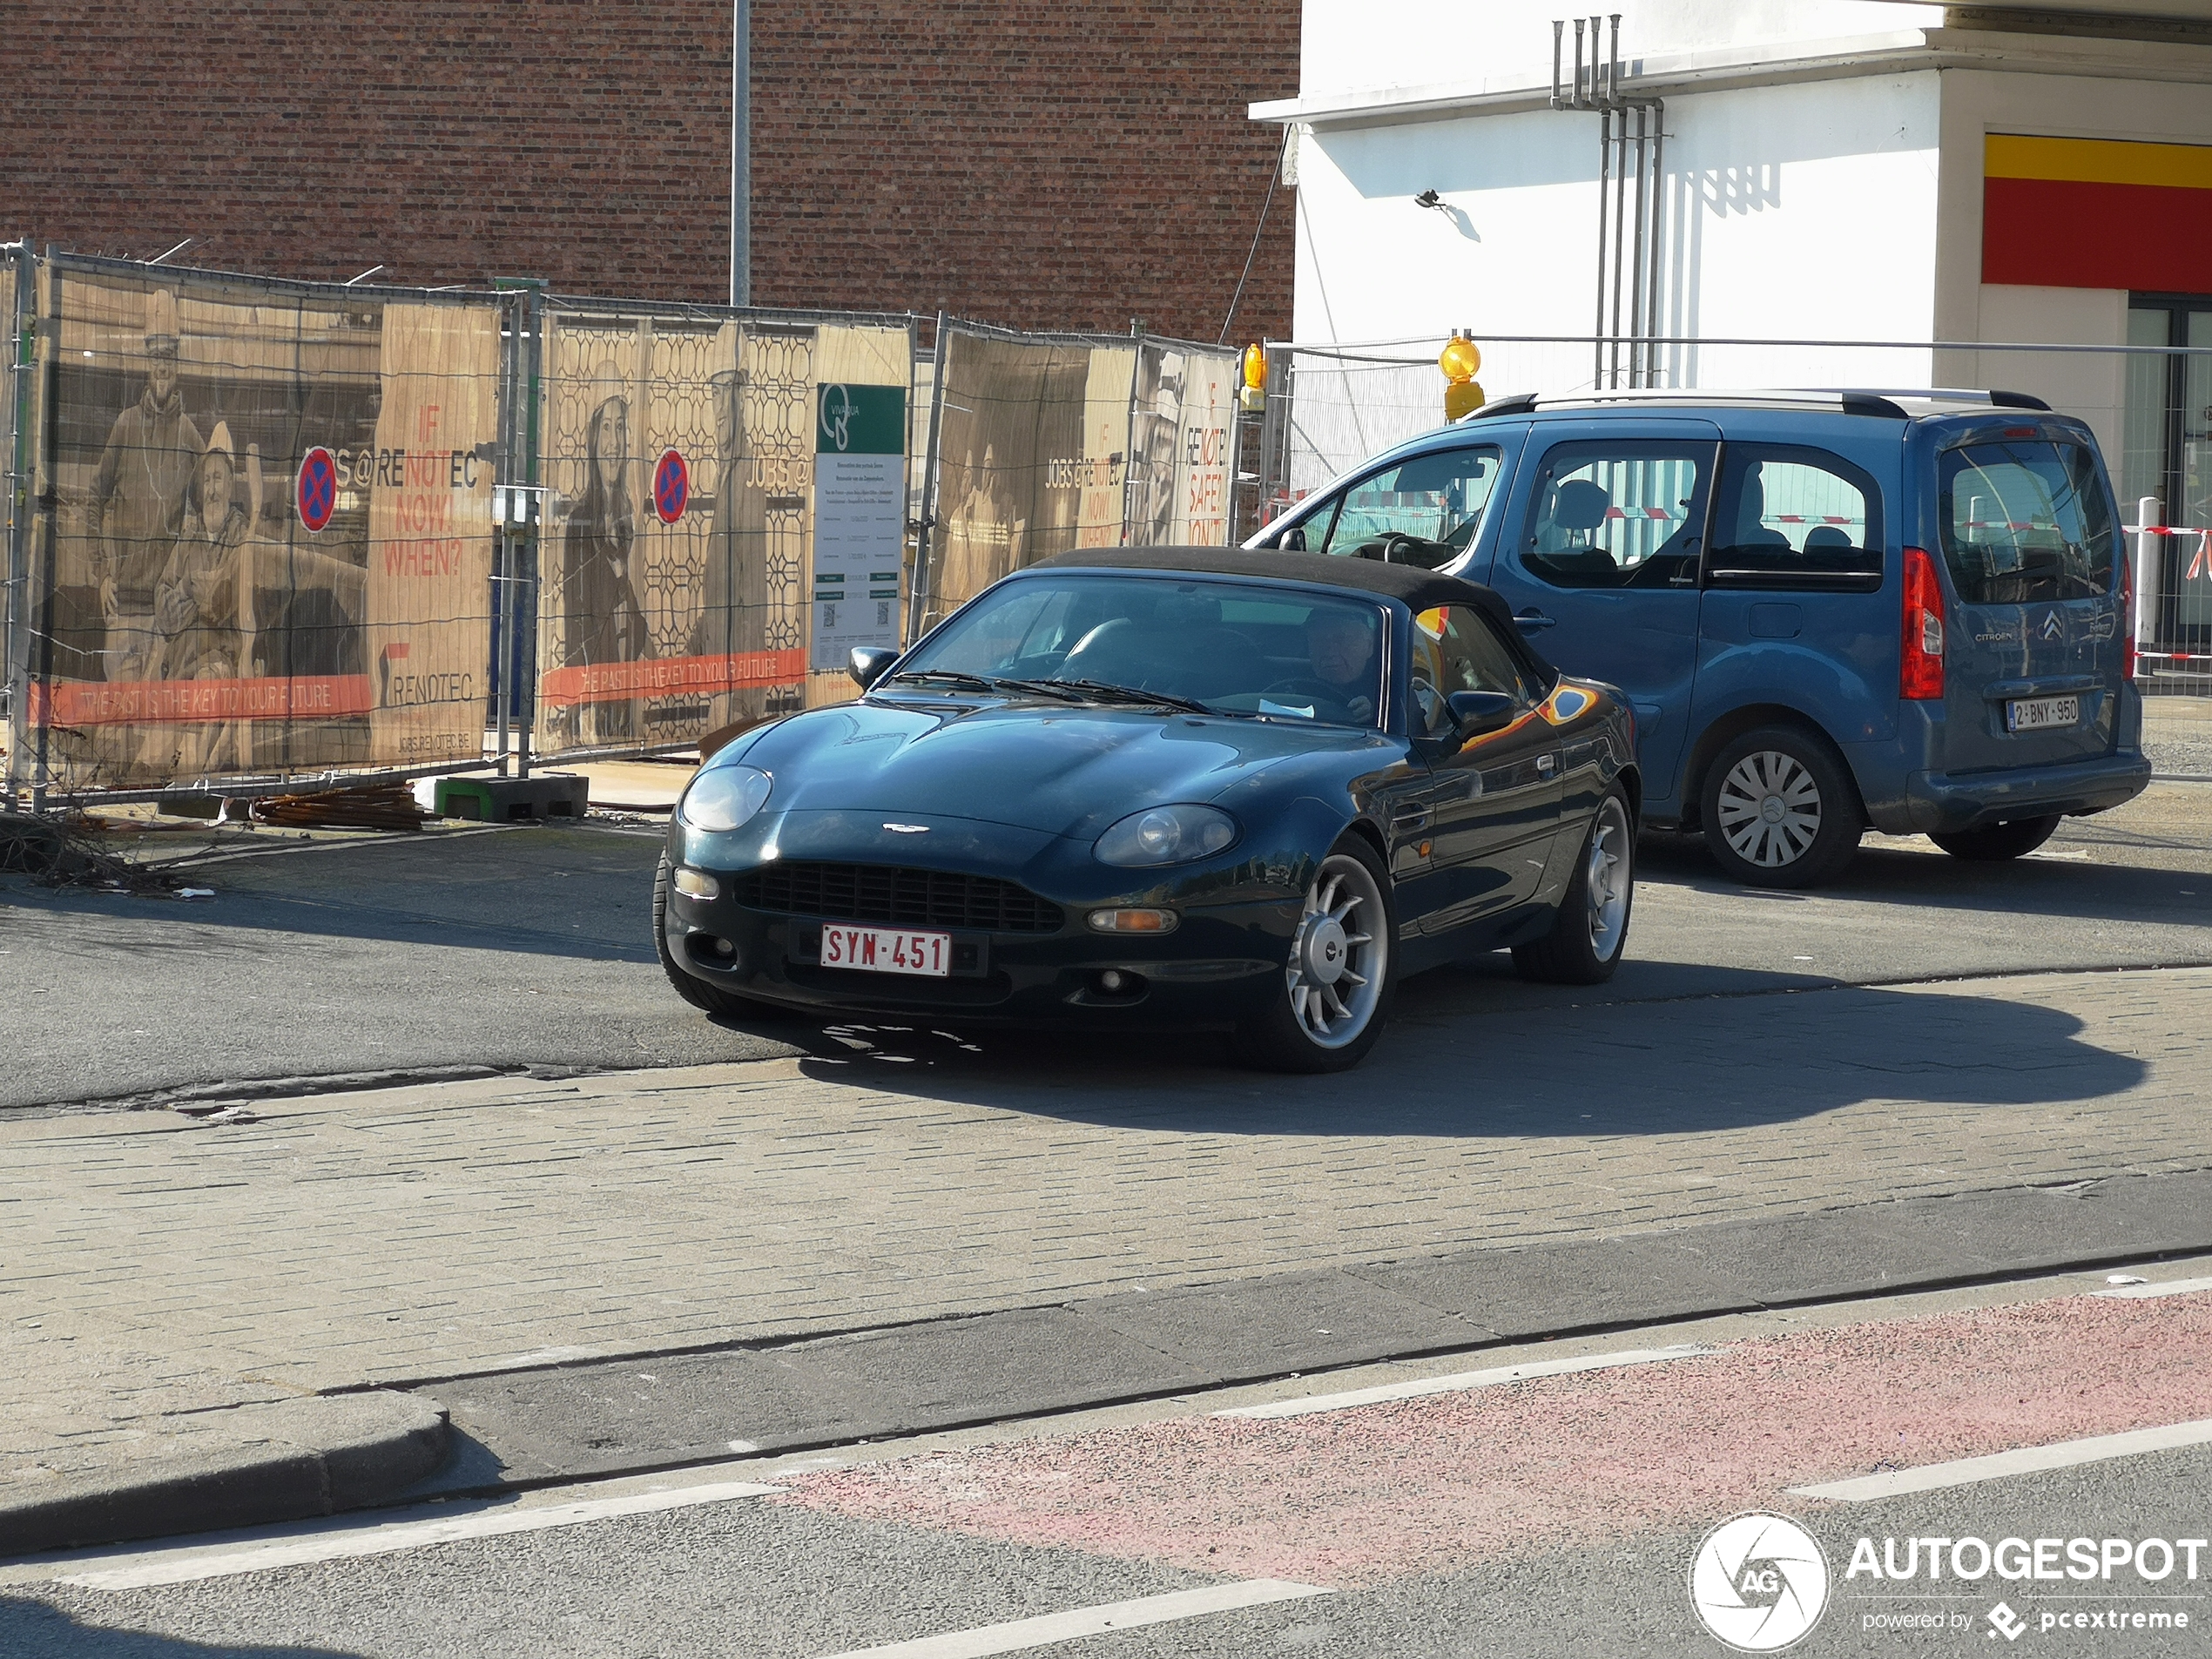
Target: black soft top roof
[[1418, 589]]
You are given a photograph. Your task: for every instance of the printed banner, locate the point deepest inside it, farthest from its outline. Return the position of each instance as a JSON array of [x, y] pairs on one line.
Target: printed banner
[[860, 519], [1179, 425], [272, 540]]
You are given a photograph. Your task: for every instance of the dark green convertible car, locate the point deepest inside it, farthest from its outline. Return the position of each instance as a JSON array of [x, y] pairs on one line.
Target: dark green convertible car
[[1168, 787]]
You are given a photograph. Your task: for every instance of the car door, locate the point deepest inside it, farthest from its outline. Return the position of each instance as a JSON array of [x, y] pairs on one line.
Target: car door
[[1599, 561], [1493, 800]]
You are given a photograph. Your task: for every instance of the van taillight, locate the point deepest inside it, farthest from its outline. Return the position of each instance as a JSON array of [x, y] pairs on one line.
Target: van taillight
[[1920, 661]]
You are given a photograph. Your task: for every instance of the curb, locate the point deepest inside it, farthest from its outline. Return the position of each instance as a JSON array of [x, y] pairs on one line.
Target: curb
[[290, 1461]]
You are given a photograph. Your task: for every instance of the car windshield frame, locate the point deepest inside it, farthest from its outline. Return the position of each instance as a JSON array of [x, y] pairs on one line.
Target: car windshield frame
[[1172, 641]]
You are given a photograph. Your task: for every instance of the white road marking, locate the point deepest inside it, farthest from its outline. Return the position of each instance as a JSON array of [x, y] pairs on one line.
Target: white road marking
[[2028, 1460], [1465, 1380], [1021, 1635], [190, 1566], [2171, 1287]]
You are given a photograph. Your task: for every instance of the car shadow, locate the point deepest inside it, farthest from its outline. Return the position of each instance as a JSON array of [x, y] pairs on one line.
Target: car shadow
[[1715, 1060], [1897, 872], [29, 1626]]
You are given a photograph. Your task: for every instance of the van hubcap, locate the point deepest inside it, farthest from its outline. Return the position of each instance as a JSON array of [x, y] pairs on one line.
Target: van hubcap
[[1770, 809]]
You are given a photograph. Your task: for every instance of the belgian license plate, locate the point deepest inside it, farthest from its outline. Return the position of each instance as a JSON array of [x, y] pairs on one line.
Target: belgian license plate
[[888, 950], [2039, 714]]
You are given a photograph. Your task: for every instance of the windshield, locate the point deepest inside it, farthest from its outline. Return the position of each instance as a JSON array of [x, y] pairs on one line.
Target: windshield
[[2025, 521], [1230, 648]]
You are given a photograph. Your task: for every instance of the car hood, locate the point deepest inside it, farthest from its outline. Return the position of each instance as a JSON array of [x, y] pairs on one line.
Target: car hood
[[1066, 770]]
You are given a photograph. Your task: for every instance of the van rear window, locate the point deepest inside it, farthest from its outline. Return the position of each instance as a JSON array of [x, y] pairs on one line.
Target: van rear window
[[2024, 522]]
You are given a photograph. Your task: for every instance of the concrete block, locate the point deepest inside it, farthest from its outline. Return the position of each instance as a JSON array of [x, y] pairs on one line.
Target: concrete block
[[502, 801]]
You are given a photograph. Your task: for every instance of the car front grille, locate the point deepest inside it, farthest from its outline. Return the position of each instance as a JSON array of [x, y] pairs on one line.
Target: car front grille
[[896, 897]]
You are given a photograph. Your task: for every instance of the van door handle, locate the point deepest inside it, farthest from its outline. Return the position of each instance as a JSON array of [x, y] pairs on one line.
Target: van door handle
[[1531, 620], [1544, 764]]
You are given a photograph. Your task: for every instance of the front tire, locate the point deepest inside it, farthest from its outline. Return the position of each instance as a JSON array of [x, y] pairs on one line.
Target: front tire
[[1780, 810], [1336, 989], [1994, 843], [1586, 941], [707, 999]]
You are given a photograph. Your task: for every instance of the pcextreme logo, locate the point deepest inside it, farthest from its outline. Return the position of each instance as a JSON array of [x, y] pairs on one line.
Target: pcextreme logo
[[1759, 1582]]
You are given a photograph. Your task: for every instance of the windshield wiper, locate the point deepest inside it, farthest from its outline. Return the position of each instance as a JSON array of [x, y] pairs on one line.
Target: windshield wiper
[[958, 680], [1099, 690]]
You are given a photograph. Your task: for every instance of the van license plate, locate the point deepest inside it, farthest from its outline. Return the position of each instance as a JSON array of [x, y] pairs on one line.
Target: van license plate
[[888, 950], [2041, 713]]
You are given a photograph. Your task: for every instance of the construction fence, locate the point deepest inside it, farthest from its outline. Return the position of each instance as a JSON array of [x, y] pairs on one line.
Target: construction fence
[[262, 533], [1330, 406]]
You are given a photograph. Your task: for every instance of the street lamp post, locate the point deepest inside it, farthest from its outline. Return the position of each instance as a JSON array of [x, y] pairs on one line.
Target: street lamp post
[[741, 152]]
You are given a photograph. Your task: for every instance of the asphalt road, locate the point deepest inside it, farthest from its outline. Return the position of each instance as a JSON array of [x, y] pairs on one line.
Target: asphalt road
[[528, 949], [1553, 1516]]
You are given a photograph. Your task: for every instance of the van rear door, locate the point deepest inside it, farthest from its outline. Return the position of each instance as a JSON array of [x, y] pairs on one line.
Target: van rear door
[[2033, 647]]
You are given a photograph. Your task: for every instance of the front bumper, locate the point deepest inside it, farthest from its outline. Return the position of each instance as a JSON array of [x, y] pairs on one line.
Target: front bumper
[[1950, 802], [1217, 969]]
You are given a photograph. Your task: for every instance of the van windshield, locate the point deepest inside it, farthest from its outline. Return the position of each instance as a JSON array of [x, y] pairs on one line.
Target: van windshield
[[2024, 522]]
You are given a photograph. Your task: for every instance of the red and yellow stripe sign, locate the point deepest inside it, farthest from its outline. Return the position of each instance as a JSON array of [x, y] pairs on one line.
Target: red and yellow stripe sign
[[2097, 214]]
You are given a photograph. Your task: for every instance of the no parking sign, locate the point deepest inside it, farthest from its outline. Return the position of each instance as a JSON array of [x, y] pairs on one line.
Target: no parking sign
[[317, 494], [672, 487]]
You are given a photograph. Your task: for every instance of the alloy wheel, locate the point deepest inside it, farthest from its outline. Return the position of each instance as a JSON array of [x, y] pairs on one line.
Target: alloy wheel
[[1770, 809], [1609, 878], [1340, 956]]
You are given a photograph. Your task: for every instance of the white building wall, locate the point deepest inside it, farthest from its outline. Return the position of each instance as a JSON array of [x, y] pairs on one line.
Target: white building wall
[[1790, 212]]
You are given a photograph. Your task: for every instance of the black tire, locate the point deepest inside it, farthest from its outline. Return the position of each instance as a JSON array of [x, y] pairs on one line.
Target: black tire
[[1588, 937], [1780, 810], [1994, 843], [707, 999], [1295, 1034]]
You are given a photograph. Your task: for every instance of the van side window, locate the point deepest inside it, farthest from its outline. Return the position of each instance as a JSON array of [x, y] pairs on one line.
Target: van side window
[[1438, 497], [1793, 518], [1627, 515]]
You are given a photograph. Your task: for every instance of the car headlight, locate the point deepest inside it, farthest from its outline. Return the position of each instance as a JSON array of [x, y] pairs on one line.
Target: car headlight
[[1167, 835], [724, 797]]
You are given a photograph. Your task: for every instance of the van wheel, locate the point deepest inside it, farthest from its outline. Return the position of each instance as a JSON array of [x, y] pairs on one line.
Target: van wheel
[[1780, 810], [1994, 843]]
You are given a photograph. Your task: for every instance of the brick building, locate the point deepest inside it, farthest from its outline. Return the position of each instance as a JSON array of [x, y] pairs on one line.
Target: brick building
[[1042, 166]]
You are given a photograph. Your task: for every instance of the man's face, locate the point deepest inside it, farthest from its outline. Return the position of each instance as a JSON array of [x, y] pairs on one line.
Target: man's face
[[215, 475], [161, 373], [1341, 647]]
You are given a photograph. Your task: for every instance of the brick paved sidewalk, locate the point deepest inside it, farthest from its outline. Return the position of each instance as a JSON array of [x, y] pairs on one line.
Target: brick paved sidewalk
[[157, 1267]]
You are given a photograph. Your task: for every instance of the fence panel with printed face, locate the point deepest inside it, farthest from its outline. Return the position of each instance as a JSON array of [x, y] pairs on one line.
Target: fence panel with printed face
[[270, 545], [1048, 443], [677, 533]]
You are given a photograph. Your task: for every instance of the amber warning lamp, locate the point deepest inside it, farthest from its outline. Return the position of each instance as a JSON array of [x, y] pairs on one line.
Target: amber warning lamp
[[1253, 396], [1460, 359]]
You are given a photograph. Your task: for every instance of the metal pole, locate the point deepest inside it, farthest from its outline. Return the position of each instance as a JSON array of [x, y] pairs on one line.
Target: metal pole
[[503, 540], [1558, 27], [12, 662], [1658, 240], [525, 586], [741, 152], [1604, 179], [1636, 266], [48, 356], [932, 463], [1578, 63]]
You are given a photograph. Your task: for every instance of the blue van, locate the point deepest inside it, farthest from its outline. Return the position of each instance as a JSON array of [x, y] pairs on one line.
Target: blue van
[[1830, 610]]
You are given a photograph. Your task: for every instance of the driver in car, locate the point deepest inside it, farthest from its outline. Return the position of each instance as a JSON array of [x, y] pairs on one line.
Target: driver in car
[[1342, 649]]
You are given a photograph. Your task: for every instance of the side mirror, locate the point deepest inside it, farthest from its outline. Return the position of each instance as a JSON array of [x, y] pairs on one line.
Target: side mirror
[[1293, 539], [868, 663], [1476, 714]]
